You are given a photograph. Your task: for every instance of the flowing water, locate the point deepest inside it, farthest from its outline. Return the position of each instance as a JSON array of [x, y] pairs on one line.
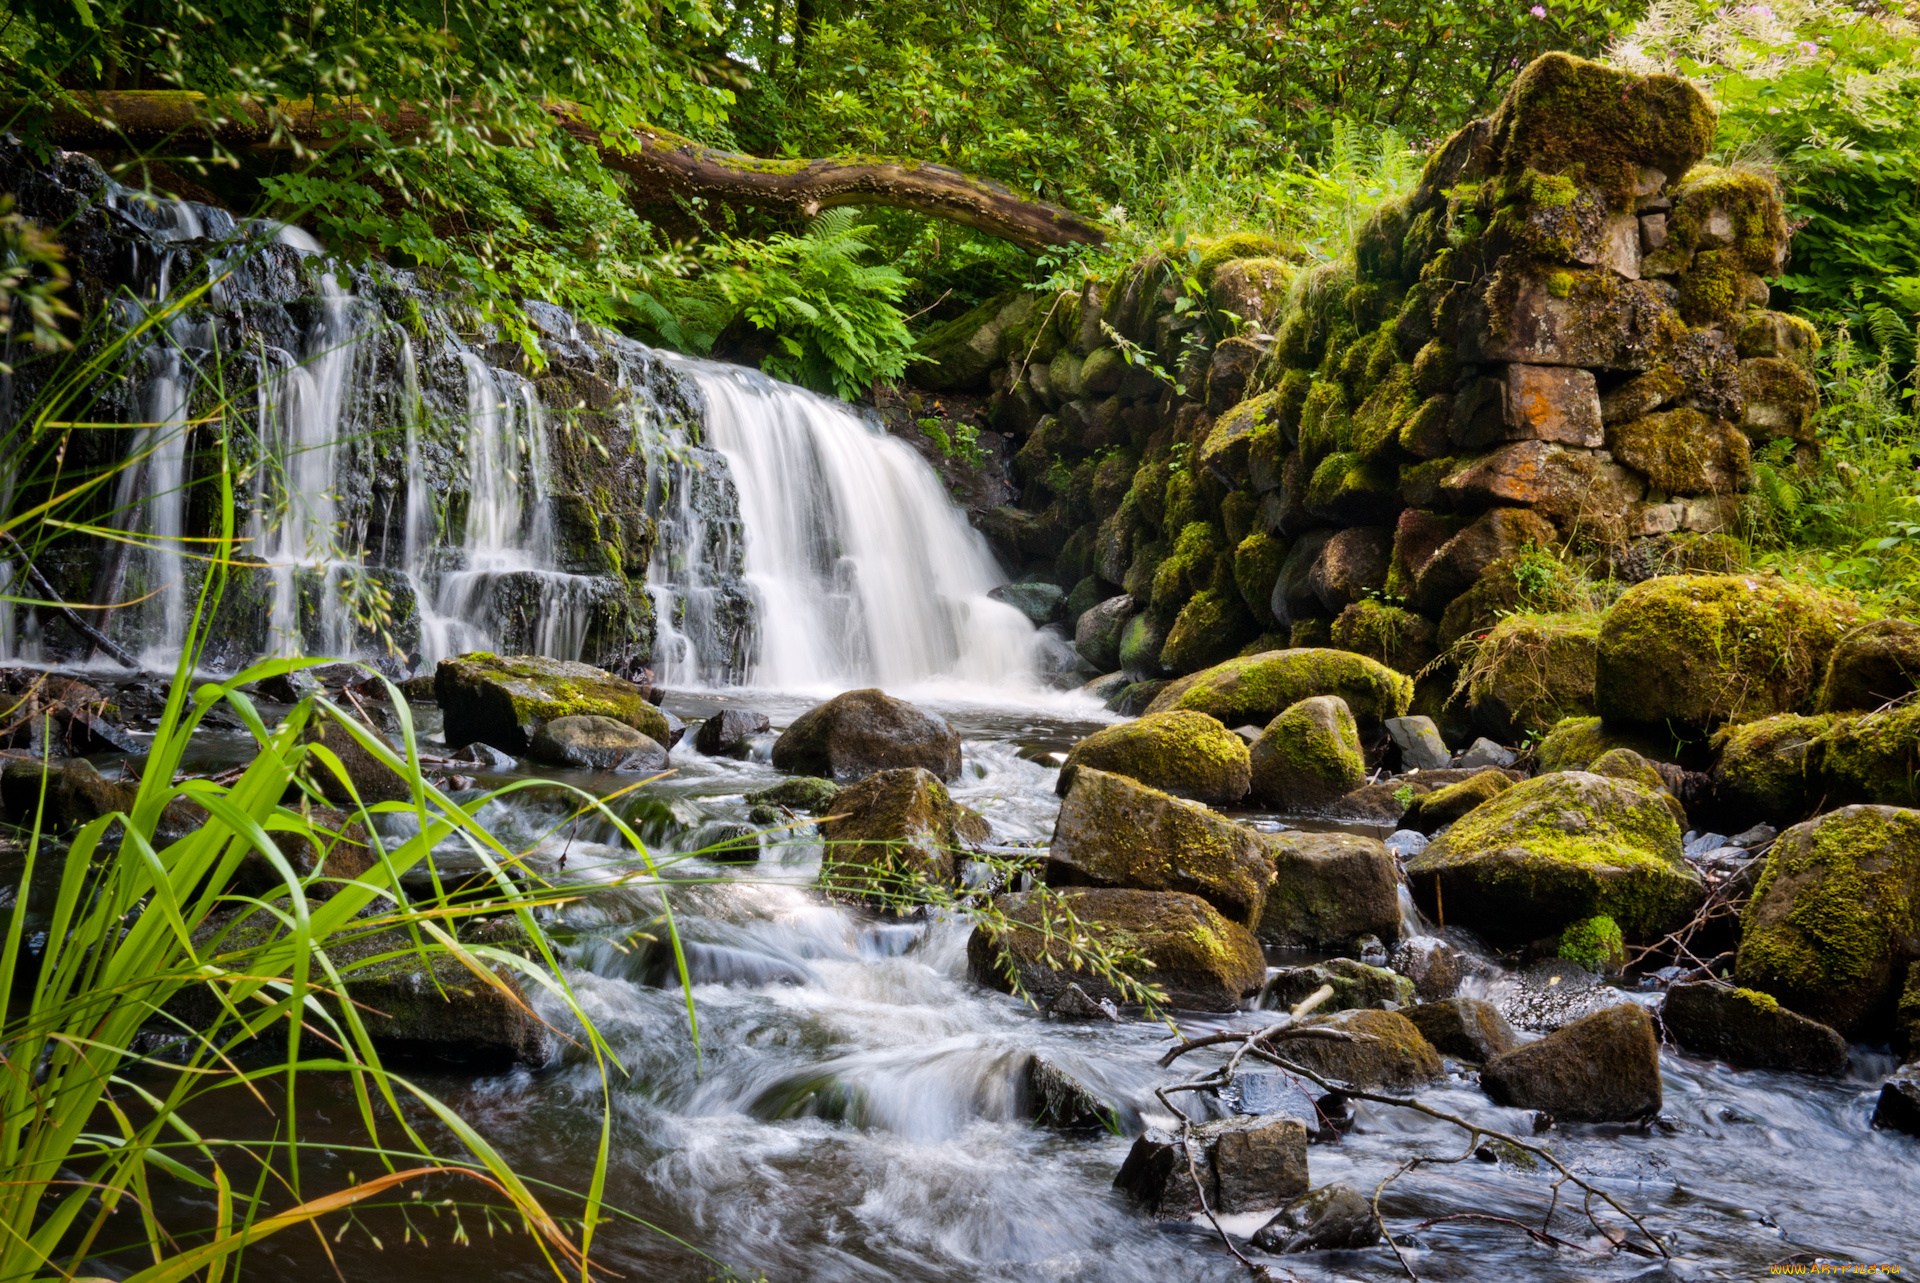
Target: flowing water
[[851, 1108]]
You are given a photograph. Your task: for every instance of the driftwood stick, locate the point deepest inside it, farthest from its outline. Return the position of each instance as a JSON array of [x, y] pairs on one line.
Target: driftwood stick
[[52, 598]]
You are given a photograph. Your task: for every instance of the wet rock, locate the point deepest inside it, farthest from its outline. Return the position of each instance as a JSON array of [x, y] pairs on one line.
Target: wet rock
[[1136, 697], [1750, 1029], [1602, 1068], [1832, 926], [339, 855], [1072, 1003], [729, 731], [1201, 960], [1419, 742], [859, 732], [1256, 1092], [1899, 1106], [1467, 1029], [289, 687], [1392, 1053], [801, 793], [1057, 1100], [1483, 753], [75, 794], [894, 832], [595, 744], [1259, 688], [1406, 843], [1553, 850], [1113, 832], [1245, 1164], [731, 844], [486, 755], [371, 779], [1096, 634], [48, 715], [1184, 753], [1435, 967], [1332, 1218], [1355, 985], [1551, 994], [1906, 1015], [504, 701], [1353, 563], [1871, 665], [1308, 756], [1428, 813], [1039, 602], [1329, 889]]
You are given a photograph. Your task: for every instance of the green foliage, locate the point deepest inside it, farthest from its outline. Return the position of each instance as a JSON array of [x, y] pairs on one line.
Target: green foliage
[[33, 274], [963, 443]]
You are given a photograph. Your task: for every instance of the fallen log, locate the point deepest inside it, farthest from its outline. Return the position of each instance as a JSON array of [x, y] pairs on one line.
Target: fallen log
[[661, 163]]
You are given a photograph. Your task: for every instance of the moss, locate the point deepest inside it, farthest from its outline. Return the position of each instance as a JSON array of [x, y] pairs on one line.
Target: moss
[[1209, 629], [1394, 636], [1185, 504], [1696, 650], [1713, 288], [1625, 764], [1683, 452], [1760, 1001], [1430, 811], [1183, 753], [1259, 688], [1874, 757], [1770, 767], [1530, 672], [1531, 187], [1750, 199], [1575, 743], [1308, 756], [1377, 245], [494, 698], [1256, 567], [1313, 313], [1187, 569], [1226, 446], [1376, 424], [1781, 397], [1596, 944], [1351, 489], [1326, 423], [1436, 368], [1236, 245]]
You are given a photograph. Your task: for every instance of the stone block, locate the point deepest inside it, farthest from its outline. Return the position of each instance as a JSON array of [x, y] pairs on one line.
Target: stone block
[[1419, 742], [1581, 317]]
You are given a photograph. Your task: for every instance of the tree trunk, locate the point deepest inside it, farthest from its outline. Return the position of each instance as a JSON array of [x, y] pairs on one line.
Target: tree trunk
[[661, 164]]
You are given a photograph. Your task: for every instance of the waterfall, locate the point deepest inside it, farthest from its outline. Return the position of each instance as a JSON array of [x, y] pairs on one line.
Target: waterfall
[[863, 570]]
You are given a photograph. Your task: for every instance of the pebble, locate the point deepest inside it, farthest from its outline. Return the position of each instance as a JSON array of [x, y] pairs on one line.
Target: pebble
[[1407, 843]]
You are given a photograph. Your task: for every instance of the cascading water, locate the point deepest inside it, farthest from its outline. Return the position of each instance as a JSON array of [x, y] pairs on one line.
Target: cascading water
[[863, 570]]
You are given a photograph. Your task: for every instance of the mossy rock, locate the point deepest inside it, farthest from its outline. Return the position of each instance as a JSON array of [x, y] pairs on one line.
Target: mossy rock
[[1355, 986], [1184, 753], [1140, 644], [1601, 1068], [1871, 665], [1238, 245], [859, 732], [1832, 926], [1575, 743], [1392, 635], [1255, 690], [801, 793], [1430, 812], [1736, 209], [1309, 756], [1531, 672], [504, 700], [1226, 447], [1683, 452], [1770, 768], [1394, 1056], [958, 354], [894, 833], [1210, 628], [1750, 1029], [1178, 942], [1117, 832], [1872, 757], [1257, 560], [1688, 652], [1553, 850], [1329, 890], [1595, 944], [1469, 1029]]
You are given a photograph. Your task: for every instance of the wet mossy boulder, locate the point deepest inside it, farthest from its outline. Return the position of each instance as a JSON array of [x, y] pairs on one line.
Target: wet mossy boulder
[[1595, 944], [1393, 1055], [1097, 632], [1575, 743], [1333, 1218], [1871, 665], [1354, 984], [859, 732], [1601, 1068], [1308, 756], [1246, 1163], [1872, 757], [1553, 850], [801, 793], [1625, 764], [1209, 628], [1183, 752], [1114, 832], [1783, 768], [1257, 689], [1140, 644], [1431, 812], [1531, 672], [1329, 890], [1469, 1029], [504, 700], [1393, 635], [1835, 920], [1200, 960], [1688, 652], [892, 834], [1750, 1029], [596, 744]]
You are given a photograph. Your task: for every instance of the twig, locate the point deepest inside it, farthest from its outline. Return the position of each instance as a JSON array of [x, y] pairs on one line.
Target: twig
[[67, 612]]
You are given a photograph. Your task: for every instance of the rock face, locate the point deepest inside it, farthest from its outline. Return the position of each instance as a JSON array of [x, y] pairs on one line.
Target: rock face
[[1750, 1029], [1308, 756], [1601, 1068], [1871, 665], [1397, 1056], [1832, 928], [1201, 960], [1332, 1218], [1692, 651], [896, 831], [1246, 1164], [1184, 753], [1469, 1029], [1113, 832], [505, 700], [859, 732], [1329, 889], [729, 731], [596, 744], [1258, 689], [1554, 850]]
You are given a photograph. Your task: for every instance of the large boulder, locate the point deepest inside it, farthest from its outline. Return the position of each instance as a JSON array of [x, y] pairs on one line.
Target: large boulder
[[1329, 890], [1835, 920], [1183, 752], [1688, 652], [1389, 1053], [1530, 672], [1576, 743], [596, 744], [1258, 688], [1308, 756], [1114, 832], [504, 700], [1871, 665], [1750, 1029], [1097, 633], [859, 732], [1601, 1068], [1199, 959], [1247, 1163], [1469, 1029], [1430, 812], [893, 833], [1554, 850]]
